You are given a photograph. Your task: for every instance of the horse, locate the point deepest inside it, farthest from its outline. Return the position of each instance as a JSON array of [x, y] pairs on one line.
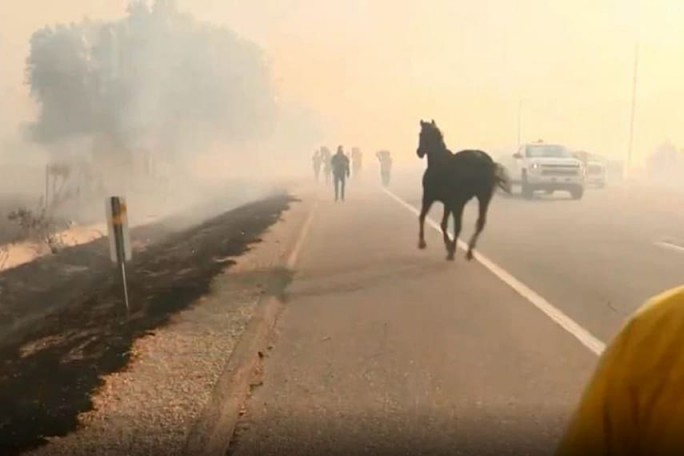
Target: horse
[[453, 180]]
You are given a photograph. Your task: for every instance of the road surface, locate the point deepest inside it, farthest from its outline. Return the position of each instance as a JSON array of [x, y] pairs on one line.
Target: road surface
[[385, 348], [596, 259]]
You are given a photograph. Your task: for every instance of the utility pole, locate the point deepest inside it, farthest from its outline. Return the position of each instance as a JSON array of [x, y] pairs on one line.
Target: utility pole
[[635, 79], [519, 120]]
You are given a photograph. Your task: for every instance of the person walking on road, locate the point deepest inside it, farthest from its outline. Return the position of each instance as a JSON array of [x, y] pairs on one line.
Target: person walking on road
[[357, 161], [340, 169], [385, 159], [325, 157], [634, 404], [317, 162]]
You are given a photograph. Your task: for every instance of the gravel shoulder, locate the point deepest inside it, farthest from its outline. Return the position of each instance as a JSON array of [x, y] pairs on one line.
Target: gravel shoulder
[[82, 380]]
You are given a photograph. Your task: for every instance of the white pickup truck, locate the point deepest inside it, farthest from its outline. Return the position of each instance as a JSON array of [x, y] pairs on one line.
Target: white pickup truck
[[545, 167], [595, 167]]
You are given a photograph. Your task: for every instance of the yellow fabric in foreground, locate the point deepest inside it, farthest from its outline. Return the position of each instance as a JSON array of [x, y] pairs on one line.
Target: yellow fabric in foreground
[[634, 404]]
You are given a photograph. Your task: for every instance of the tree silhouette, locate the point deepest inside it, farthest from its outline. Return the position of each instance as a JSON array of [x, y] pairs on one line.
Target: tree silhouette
[[155, 73]]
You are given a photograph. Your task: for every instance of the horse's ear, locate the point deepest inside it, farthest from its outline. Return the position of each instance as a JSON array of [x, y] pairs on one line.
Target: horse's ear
[[433, 123], [422, 124]]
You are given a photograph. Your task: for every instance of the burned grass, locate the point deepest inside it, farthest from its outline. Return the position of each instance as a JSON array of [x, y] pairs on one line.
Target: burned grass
[[64, 320]]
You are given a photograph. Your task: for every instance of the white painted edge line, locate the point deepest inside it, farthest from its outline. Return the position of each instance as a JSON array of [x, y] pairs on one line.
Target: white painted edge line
[[587, 339], [669, 246], [303, 234]]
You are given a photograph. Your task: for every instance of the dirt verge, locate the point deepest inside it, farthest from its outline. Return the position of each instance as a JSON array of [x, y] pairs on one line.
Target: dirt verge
[[51, 365]]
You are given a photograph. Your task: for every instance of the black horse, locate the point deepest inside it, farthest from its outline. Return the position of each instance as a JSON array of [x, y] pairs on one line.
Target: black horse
[[453, 180]]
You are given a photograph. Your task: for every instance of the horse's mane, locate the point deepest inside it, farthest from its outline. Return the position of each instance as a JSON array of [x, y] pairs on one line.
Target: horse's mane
[[439, 141], [440, 138]]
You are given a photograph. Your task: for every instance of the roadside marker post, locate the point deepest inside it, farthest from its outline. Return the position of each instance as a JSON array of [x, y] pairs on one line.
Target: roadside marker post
[[119, 239]]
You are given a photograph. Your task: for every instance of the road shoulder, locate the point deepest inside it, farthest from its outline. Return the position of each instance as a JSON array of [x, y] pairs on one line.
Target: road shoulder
[[150, 407]]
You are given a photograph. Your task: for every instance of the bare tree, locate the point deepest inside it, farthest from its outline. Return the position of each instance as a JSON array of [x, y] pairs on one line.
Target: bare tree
[[156, 72]]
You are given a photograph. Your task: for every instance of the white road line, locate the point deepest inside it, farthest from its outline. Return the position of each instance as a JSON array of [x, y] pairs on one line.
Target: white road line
[[670, 246], [294, 255], [587, 339]]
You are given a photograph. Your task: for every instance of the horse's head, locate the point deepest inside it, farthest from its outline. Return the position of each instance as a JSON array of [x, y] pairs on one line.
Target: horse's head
[[430, 139]]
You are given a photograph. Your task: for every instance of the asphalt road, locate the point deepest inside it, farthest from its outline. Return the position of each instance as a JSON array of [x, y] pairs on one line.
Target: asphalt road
[[386, 348], [596, 259]]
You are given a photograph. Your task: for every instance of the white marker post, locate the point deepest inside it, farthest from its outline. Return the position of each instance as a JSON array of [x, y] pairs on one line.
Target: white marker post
[[119, 239]]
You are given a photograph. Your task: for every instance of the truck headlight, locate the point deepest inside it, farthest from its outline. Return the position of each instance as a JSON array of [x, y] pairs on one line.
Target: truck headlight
[[535, 166]]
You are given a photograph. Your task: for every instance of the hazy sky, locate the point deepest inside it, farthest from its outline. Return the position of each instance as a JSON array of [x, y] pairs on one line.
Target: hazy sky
[[375, 67]]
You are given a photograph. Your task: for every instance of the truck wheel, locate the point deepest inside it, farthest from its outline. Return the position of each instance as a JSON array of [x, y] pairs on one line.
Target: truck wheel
[[526, 190], [577, 193]]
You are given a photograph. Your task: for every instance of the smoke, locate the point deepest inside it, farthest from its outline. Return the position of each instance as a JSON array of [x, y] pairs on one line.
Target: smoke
[[159, 102], [155, 73], [665, 165]]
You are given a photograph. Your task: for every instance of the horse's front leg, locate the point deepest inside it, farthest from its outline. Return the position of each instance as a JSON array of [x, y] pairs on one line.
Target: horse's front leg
[[427, 204]]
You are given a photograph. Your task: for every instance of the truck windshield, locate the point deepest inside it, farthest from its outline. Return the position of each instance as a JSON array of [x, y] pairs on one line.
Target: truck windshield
[[547, 151]]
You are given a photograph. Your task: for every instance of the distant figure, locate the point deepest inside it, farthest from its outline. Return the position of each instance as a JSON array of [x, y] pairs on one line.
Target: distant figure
[[317, 162], [385, 159], [325, 156], [341, 171], [634, 404], [357, 160]]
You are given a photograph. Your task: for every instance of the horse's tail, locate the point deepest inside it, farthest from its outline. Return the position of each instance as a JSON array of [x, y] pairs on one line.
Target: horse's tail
[[502, 179]]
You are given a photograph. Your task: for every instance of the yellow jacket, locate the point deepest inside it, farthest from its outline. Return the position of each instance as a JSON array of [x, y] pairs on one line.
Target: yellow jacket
[[634, 404]]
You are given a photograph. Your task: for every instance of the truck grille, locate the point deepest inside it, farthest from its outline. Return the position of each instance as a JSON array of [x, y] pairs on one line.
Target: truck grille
[[559, 170], [594, 169]]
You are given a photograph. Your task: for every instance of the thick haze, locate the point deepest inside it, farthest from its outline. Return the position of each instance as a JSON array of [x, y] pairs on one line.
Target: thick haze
[[373, 68]]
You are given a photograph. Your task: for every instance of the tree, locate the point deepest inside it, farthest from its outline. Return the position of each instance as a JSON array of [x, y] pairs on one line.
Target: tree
[[154, 73], [58, 74]]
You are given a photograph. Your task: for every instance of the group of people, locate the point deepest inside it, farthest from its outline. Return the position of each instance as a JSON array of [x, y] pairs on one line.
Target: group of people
[[338, 167]]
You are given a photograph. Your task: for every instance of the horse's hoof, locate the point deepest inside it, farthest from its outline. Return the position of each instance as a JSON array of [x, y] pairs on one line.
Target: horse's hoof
[[469, 255], [422, 245], [450, 257]]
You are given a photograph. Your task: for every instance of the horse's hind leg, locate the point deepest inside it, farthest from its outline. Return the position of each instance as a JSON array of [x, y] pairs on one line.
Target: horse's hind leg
[[427, 204], [483, 205], [445, 225], [457, 211]]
